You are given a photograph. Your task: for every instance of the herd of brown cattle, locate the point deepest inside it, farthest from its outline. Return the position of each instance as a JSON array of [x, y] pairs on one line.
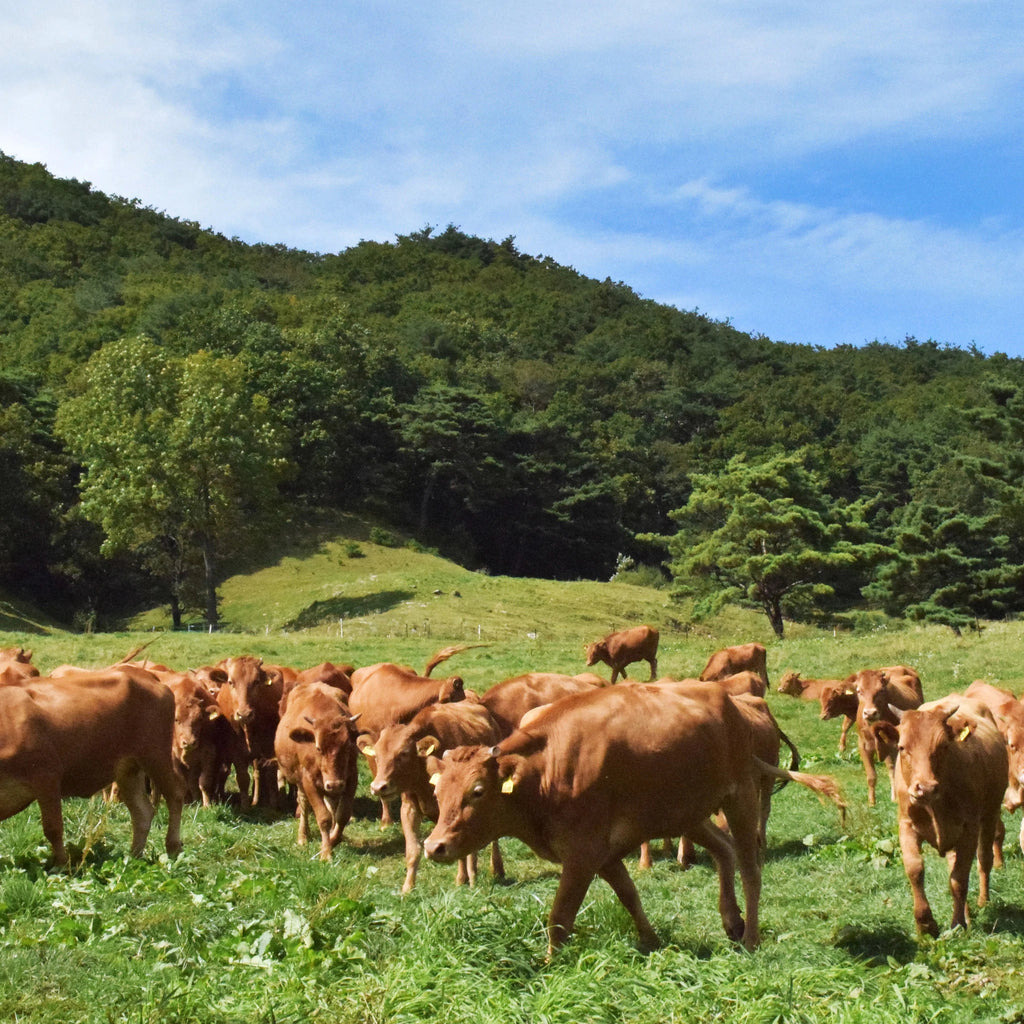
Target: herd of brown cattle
[[551, 759]]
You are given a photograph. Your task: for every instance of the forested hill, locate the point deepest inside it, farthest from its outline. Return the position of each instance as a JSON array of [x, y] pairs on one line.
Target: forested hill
[[498, 405]]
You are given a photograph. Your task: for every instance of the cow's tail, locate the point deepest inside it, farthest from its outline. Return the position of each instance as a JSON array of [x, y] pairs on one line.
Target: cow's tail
[[824, 785], [794, 758], [445, 653]]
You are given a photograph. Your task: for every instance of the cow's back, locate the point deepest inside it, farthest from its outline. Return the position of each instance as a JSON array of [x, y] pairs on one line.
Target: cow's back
[[510, 699]]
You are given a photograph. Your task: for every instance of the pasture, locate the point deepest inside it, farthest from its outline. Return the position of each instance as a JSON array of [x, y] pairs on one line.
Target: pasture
[[244, 926]]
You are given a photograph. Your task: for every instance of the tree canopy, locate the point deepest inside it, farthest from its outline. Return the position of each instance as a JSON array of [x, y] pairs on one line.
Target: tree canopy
[[515, 414]]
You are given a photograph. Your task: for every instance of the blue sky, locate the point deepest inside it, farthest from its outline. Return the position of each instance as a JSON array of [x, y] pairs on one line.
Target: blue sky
[[817, 173]]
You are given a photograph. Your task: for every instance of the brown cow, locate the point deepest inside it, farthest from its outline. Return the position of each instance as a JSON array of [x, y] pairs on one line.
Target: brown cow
[[250, 700], [388, 694], [401, 770], [794, 685], [73, 737], [618, 650], [768, 739], [839, 700], [315, 745], [1008, 713], [510, 699], [16, 665], [741, 658], [205, 744], [878, 692], [950, 783], [337, 676], [600, 772]]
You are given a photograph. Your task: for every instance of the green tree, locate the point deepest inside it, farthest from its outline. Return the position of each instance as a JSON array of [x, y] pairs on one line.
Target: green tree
[[948, 567], [179, 457], [765, 534]]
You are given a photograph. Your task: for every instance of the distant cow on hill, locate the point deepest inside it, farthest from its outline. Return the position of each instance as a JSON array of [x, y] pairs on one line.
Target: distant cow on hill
[[731, 660], [618, 650]]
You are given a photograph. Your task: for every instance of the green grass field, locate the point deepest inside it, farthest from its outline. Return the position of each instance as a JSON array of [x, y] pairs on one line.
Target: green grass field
[[246, 927]]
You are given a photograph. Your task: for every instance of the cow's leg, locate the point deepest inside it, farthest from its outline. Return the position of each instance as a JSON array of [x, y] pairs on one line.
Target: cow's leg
[[616, 875], [867, 758], [960, 859], [131, 786], [913, 866], [466, 870], [322, 813], [302, 818], [170, 786], [497, 863], [615, 673], [653, 662], [720, 846], [996, 845], [989, 841], [646, 862], [686, 855], [411, 818], [847, 722], [572, 888], [48, 794], [743, 811]]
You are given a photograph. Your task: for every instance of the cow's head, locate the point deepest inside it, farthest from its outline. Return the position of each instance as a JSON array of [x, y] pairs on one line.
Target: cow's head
[[470, 784], [451, 690], [872, 697], [925, 740], [791, 684], [835, 701], [597, 651], [332, 735], [399, 768], [1010, 722], [244, 676]]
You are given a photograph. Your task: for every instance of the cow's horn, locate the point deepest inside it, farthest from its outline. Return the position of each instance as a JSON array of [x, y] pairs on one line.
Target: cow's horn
[[897, 712], [494, 751]]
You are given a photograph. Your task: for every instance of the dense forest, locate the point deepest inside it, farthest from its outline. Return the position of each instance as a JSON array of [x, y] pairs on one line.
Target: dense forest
[[170, 397]]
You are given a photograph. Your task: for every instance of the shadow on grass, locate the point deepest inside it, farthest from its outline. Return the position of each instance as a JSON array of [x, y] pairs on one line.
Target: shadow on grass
[[335, 608], [877, 946]]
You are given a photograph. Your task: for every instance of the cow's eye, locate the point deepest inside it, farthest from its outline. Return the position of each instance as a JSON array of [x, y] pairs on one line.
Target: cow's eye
[[477, 791]]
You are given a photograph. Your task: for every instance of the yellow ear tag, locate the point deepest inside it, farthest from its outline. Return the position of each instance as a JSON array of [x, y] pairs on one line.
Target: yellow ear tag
[[435, 779], [429, 750], [964, 733], [508, 785], [369, 752]]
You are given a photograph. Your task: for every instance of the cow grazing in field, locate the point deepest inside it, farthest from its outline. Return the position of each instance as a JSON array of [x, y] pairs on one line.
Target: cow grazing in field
[[950, 780], [741, 658], [839, 701], [315, 746], [879, 691], [510, 699], [250, 699], [73, 737], [618, 650], [205, 745], [597, 774], [399, 755]]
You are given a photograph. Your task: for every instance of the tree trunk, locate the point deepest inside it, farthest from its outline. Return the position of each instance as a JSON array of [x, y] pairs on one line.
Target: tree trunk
[[774, 610], [209, 568]]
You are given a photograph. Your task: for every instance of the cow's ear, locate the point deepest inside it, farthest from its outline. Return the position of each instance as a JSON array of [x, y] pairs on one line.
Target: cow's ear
[[218, 676], [427, 745], [960, 730], [365, 744], [213, 713], [301, 736]]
